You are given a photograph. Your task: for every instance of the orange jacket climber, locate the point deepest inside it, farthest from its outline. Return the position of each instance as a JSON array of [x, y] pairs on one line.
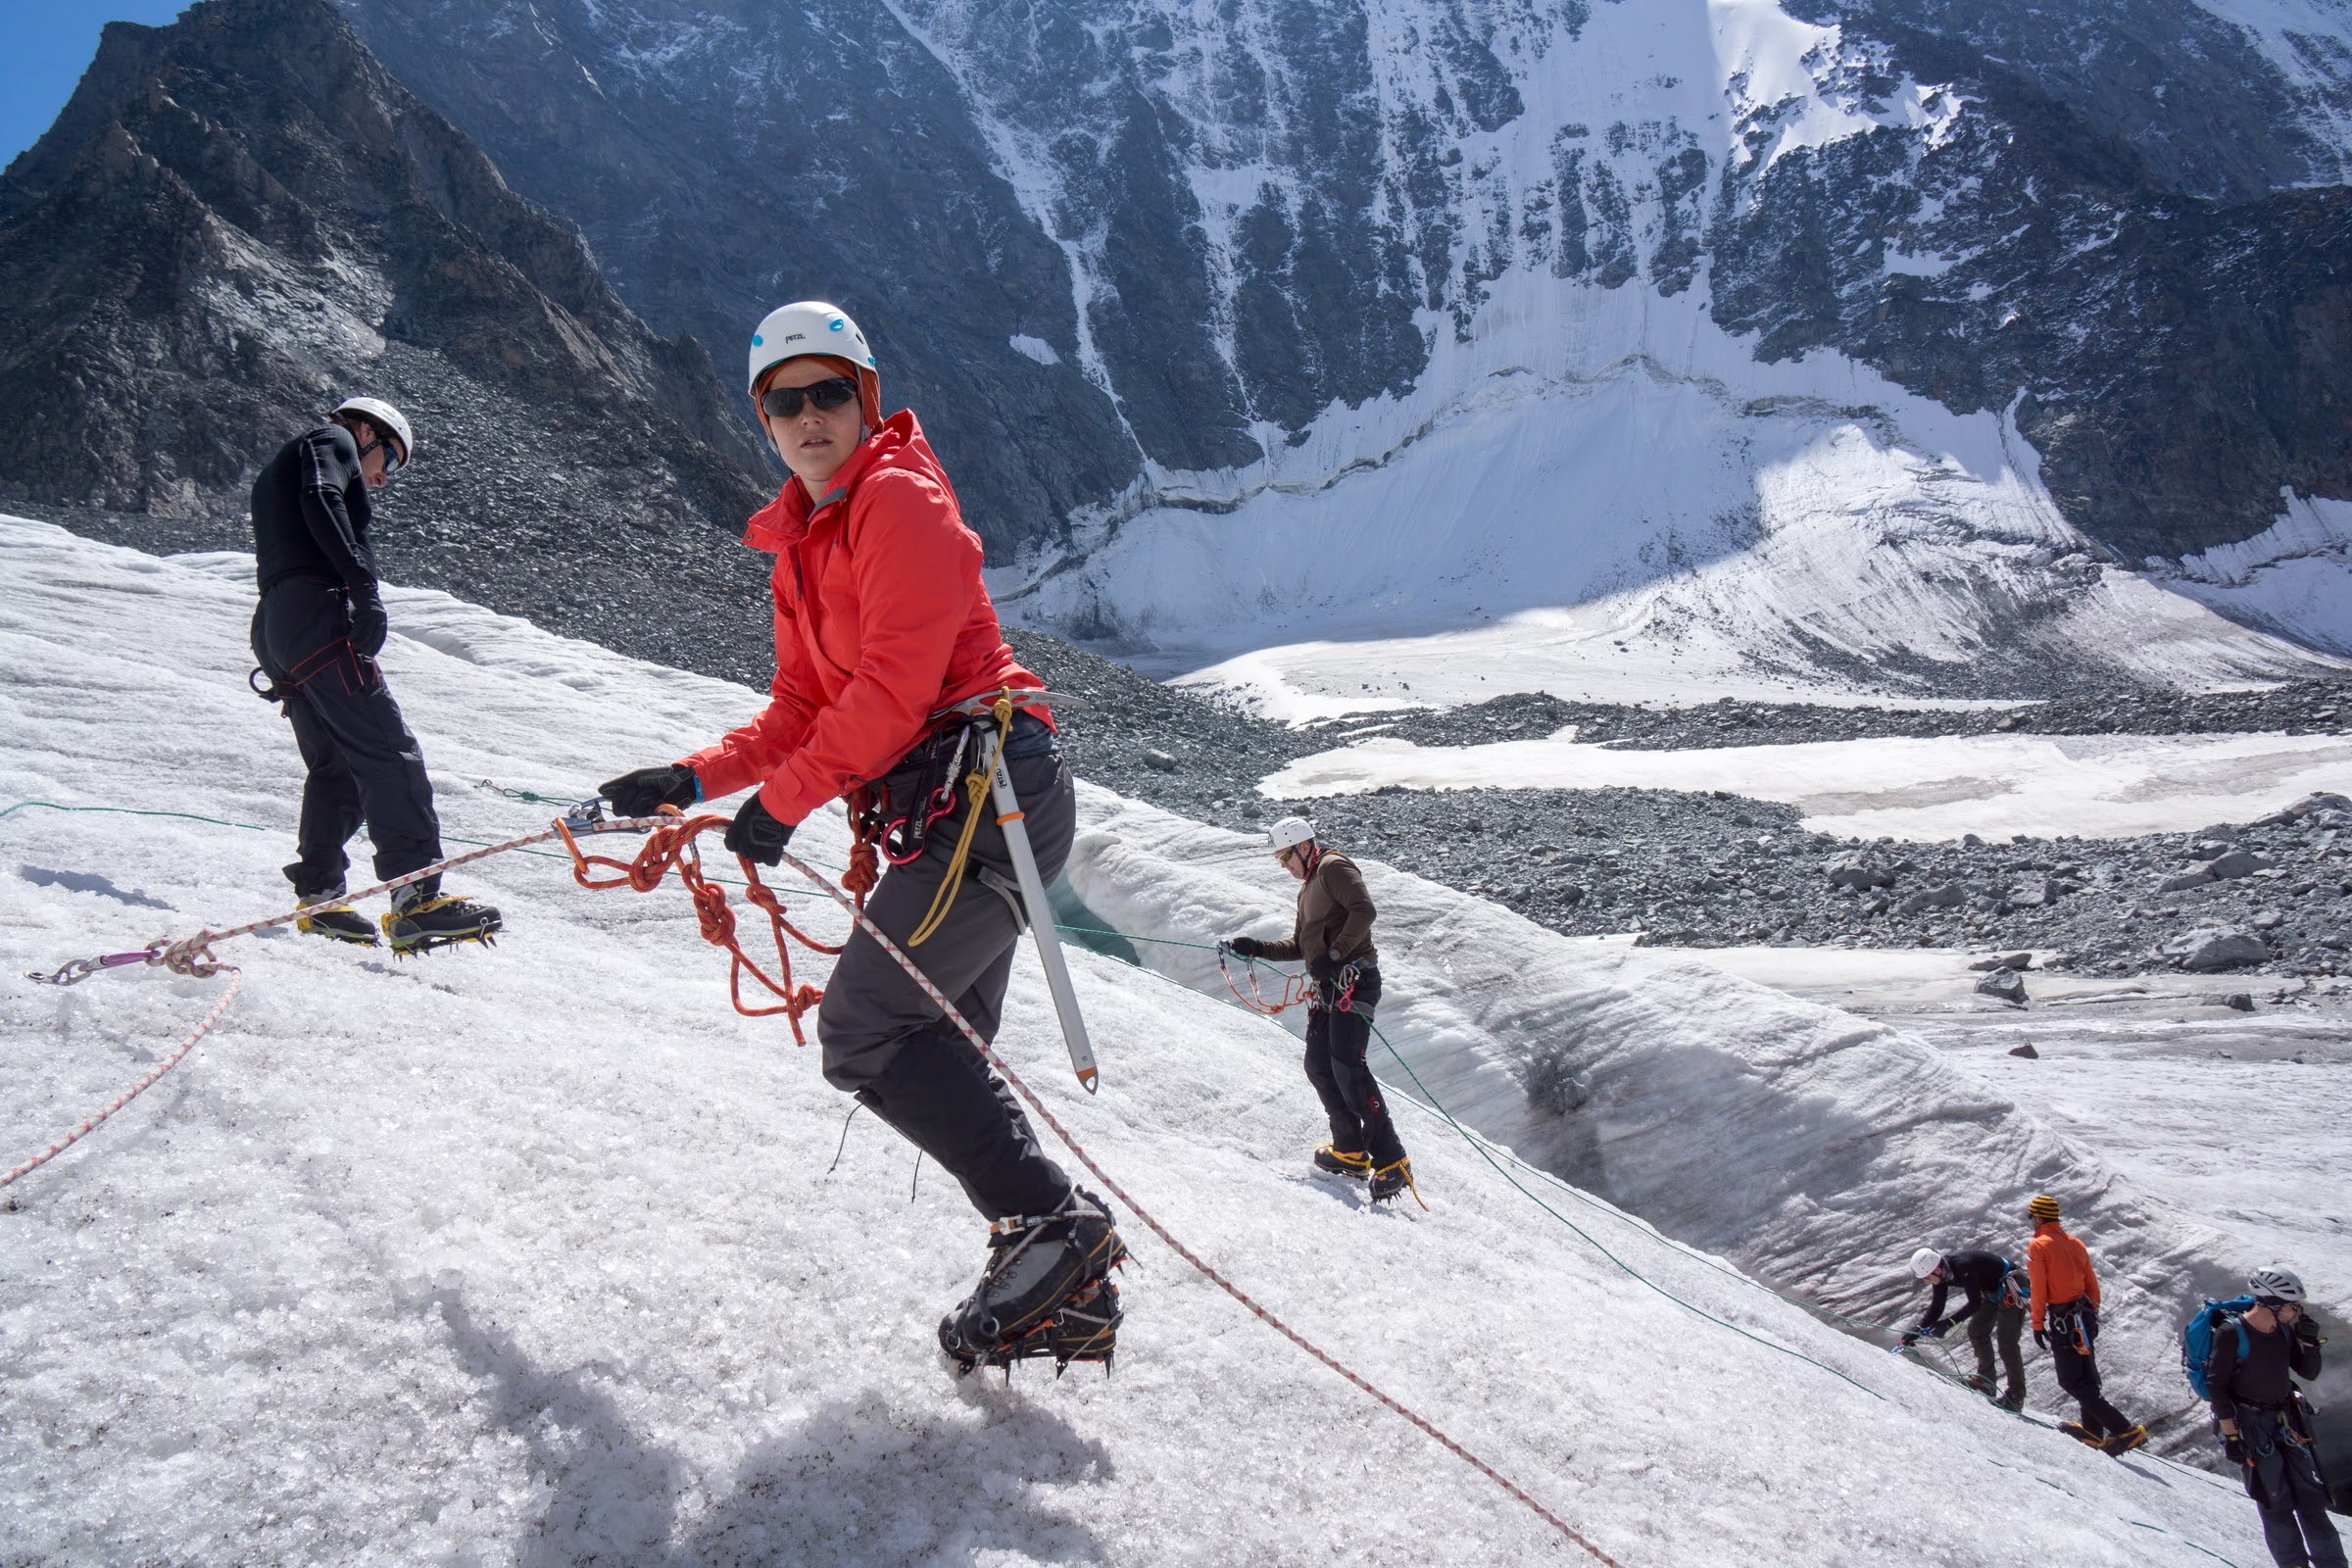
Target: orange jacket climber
[[881, 621], [2061, 1269]]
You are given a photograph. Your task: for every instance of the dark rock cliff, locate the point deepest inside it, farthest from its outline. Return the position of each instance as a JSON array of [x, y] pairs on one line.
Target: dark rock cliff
[[242, 217]]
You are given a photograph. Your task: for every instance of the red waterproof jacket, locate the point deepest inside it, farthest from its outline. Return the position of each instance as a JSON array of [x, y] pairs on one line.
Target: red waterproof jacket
[[881, 621]]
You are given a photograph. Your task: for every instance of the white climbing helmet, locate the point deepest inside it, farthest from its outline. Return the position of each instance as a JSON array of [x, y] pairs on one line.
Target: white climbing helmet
[[387, 419], [1289, 833], [2276, 1284], [812, 327], [1926, 1262]]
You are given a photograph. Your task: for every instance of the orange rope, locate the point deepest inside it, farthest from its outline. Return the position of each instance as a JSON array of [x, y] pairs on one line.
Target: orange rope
[[673, 847], [1296, 990]]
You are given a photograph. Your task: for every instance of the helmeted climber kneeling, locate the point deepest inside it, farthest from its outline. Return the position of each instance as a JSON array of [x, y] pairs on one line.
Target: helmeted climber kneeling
[[882, 625], [1333, 936]]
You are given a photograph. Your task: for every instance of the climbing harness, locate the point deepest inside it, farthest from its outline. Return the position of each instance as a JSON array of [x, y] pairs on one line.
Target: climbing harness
[[904, 837]]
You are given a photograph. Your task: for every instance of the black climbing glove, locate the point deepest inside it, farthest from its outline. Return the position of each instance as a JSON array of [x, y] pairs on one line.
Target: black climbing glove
[[369, 625], [1935, 1330], [1322, 968], [2234, 1447], [2041, 1336], [1247, 947], [647, 789], [1909, 1339], [757, 836]]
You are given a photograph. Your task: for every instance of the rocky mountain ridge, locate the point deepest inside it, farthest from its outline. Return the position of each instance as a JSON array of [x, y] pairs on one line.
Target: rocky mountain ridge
[[1132, 256], [241, 217]]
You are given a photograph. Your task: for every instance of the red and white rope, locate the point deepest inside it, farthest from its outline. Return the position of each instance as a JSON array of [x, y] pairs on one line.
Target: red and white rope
[[236, 983], [948, 1009]]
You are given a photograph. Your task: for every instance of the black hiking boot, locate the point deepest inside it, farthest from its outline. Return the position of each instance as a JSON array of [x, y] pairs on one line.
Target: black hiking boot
[[1340, 1162], [1044, 1291], [327, 914], [2012, 1400], [422, 924], [1390, 1180]]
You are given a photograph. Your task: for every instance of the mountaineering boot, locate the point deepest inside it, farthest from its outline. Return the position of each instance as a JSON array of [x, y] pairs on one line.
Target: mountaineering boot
[[2082, 1433], [1390, 1180], [1978, 1383], [2123, 1443], [1044, 1291], [325, 915], [2012, 1400], [1341, 1163], [420, 923]]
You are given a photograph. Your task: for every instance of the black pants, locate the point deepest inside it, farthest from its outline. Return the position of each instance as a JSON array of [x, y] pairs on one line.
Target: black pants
[[2008, 1322], [884, 1040], [1336, 1046], [363, 762], [2078, 1370], [2285, 1484]]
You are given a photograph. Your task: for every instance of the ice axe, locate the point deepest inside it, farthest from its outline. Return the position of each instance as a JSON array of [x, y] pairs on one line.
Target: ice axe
[[997, 708]]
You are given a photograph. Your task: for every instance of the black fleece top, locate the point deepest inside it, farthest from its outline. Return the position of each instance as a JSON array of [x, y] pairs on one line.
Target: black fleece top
[[310, 512], [2262, 1376]]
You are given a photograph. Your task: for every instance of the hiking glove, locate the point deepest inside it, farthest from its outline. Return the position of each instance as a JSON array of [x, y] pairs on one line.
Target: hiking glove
[[757, 836], [1322, 968], [1247, 947], [1935, 1330], [369, 625], [2234, 1447], [1909, 1339], [2041, 1336], [647, 789]]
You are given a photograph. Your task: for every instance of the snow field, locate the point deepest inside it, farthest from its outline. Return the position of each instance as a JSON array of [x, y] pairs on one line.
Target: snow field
[[2045, 786], [531, 1254]]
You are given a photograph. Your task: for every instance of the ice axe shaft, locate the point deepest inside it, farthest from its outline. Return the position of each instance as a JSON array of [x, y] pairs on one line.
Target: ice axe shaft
[[1033, 886]]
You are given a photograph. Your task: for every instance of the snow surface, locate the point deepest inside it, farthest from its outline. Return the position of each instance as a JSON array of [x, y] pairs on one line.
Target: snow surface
[[2093, 786], [532, 1255]]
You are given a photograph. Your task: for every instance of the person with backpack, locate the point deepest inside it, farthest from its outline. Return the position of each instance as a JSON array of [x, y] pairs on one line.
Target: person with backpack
[[2065, 1301], [1332, 934], [884, 630], [1997, 1293], [2258, 1352]]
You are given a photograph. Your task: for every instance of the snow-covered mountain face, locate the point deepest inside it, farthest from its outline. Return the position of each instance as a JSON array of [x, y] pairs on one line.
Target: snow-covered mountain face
[[1229, 314]]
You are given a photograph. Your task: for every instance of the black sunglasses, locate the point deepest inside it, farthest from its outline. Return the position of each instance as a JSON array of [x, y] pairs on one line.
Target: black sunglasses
[[784, 401]]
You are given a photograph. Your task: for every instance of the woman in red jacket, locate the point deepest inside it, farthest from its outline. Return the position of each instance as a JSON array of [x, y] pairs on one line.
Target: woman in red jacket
[[881, 623]]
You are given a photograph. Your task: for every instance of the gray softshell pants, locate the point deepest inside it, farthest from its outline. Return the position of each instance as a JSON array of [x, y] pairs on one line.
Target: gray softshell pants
[[887, 1042]]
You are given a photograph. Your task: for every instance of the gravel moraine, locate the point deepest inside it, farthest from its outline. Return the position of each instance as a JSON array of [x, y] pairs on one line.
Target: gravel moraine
[[1716, 870]]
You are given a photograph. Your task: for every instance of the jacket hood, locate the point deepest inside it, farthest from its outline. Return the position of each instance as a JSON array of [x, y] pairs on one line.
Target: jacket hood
[[897, 444]]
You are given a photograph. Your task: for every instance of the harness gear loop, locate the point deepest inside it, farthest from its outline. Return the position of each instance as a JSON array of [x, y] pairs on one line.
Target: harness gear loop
[[671, 846], [976, 786]]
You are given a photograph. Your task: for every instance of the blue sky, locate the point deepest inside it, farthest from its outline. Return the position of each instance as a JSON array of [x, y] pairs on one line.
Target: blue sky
[[45, 46]]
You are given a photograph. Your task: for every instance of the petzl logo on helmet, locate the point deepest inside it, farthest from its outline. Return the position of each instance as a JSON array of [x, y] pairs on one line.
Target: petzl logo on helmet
[[793, 337]]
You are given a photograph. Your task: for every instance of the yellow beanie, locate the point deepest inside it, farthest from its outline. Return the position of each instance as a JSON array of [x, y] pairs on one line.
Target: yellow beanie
[[2043, 1207]]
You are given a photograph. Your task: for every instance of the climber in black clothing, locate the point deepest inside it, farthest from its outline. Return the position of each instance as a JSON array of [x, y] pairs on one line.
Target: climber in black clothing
[[2263, 1425], [1995, 1304], [317, 633]]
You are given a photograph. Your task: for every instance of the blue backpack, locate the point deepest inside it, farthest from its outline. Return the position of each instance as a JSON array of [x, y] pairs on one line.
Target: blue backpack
[[2196, 1339]]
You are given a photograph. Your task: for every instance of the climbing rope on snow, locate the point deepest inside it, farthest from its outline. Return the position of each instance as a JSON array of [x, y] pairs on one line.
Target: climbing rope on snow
[[948, 1010], [90, 1124]]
